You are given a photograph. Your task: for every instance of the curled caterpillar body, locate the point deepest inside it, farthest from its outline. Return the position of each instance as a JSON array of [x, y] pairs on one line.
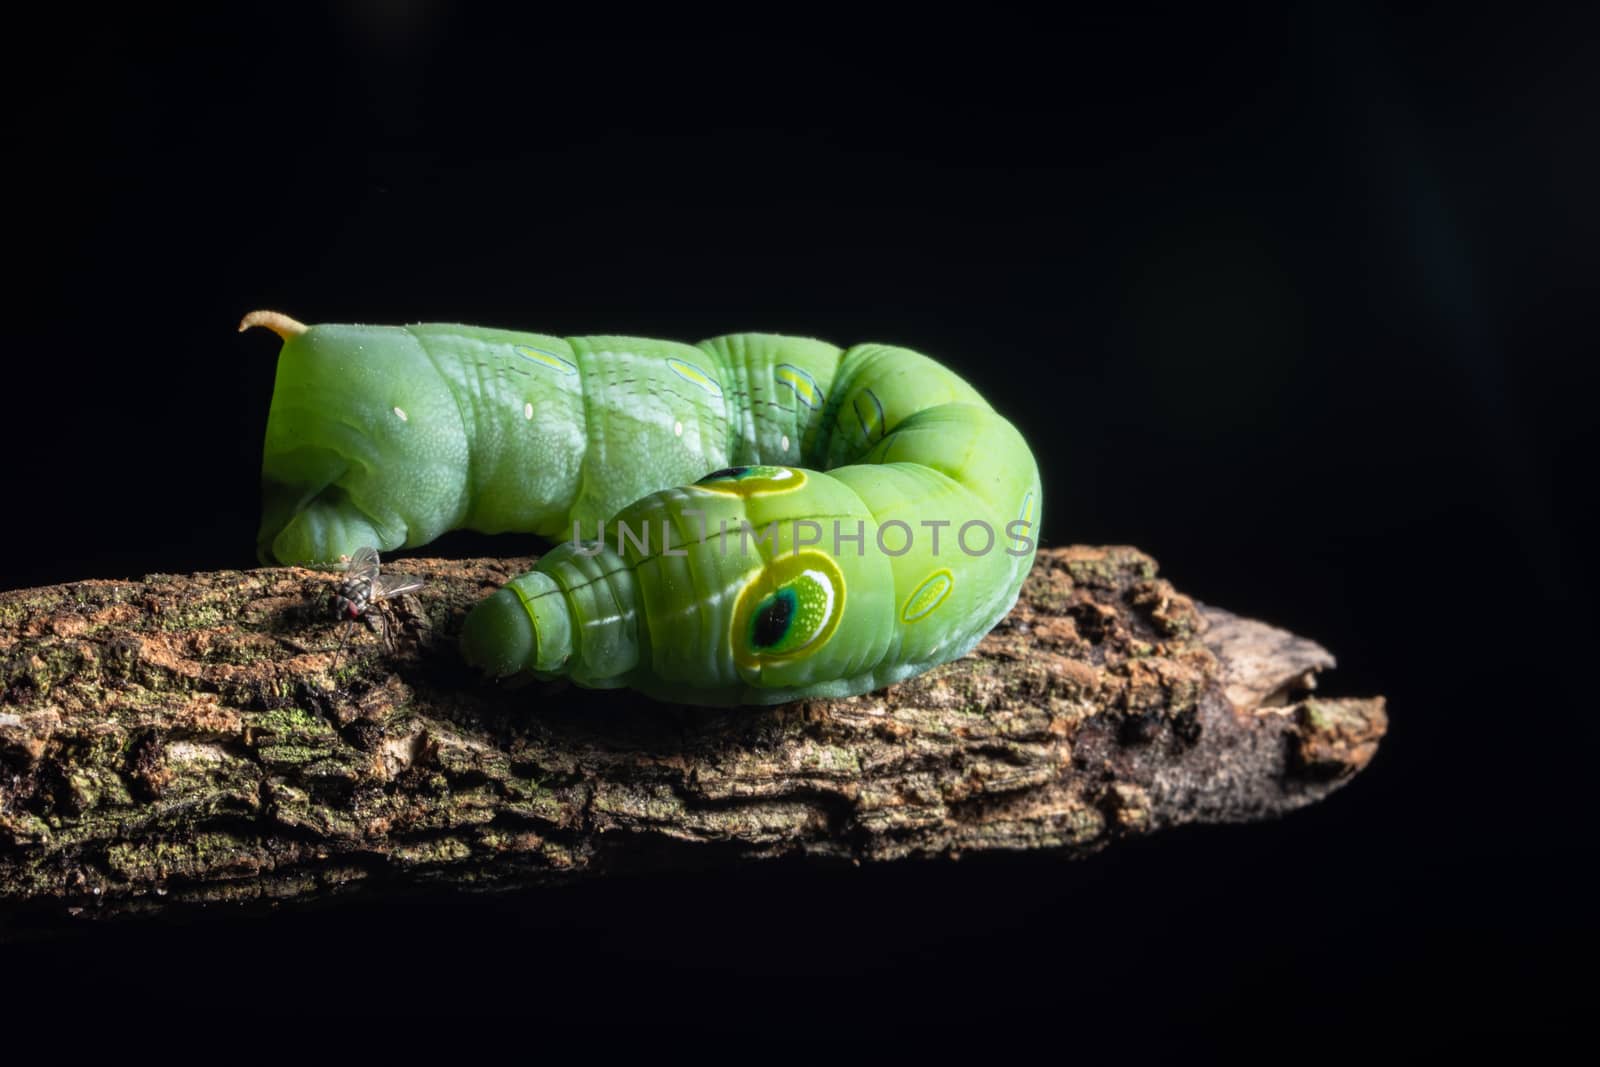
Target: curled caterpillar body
[[866, 514]]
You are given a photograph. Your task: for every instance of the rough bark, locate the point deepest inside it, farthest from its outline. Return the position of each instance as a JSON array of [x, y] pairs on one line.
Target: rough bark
[[195, 738]]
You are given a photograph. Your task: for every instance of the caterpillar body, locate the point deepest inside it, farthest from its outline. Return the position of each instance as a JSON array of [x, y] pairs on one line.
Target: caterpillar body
[[751, 519]]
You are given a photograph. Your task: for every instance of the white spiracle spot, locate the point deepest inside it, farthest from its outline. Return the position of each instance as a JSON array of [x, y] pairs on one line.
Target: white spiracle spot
[[677, 429], [400, 413], [786, 442], [527, 410]]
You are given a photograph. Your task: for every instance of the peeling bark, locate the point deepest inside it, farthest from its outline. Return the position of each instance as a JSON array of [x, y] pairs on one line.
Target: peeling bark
[[191, 738]]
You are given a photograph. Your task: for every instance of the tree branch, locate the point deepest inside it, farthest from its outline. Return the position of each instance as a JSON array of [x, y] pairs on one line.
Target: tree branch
[[190, 738]]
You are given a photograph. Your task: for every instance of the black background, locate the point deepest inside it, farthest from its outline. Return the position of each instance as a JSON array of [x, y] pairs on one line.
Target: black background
[[1298, 303]]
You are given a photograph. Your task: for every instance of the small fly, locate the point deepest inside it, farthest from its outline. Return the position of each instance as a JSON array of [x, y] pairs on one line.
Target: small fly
[[364, 587]]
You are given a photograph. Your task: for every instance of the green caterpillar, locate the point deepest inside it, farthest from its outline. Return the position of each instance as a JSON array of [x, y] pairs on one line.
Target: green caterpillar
[[868, 517]]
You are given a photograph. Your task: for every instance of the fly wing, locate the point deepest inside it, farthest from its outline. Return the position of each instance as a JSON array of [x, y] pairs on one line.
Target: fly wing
[[388, 585], [363, 565]]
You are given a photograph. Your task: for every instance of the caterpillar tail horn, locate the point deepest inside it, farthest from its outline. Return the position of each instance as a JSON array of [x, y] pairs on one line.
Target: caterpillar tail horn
[[276, 321]]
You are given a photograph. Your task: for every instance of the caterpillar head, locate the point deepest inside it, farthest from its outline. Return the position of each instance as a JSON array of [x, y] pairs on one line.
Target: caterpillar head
[[525, 625], [364, 446]]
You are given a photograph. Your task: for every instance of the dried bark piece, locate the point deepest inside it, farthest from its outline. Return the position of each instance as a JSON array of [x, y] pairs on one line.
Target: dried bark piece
[[188, 739]]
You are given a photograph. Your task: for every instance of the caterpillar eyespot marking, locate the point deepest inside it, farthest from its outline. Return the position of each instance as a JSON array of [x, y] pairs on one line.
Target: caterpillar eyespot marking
[[789, 609], [753, 481]]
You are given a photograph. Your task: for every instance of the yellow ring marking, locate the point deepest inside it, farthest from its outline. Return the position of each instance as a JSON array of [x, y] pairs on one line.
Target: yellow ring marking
[[927, 596], [690, 373], [1026, 515], [546, 359], [804, 386]]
